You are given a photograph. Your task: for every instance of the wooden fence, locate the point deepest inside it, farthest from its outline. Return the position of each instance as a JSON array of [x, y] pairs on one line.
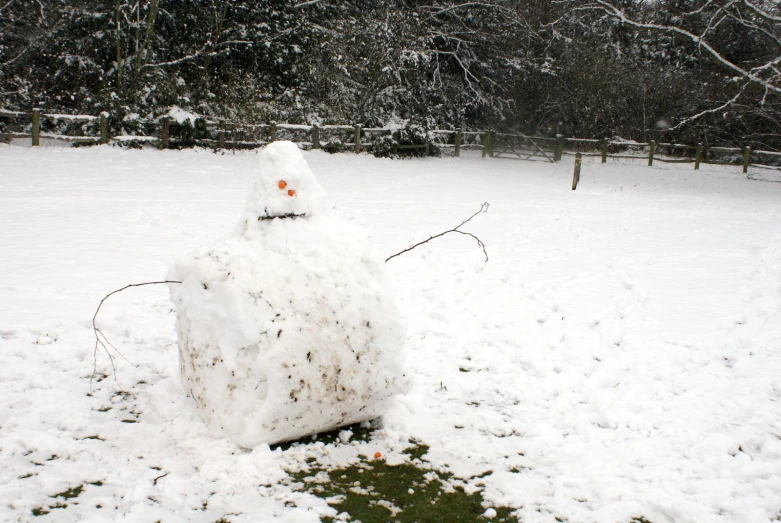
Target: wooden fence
[[35, 133], [670, 153], [225, 135]]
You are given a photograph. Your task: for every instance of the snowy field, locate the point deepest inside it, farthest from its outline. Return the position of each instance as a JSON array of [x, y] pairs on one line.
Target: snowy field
[[619, 355]]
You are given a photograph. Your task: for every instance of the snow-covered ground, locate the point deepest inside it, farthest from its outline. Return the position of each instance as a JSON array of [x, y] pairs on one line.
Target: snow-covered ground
[[618, 356]]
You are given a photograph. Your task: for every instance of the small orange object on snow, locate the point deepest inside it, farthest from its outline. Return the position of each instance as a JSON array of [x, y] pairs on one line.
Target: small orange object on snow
[[291, 192], [377, 455], [282, 184]]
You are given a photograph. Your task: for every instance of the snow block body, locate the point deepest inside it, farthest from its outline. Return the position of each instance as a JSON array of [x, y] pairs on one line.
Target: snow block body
[[288, 327]]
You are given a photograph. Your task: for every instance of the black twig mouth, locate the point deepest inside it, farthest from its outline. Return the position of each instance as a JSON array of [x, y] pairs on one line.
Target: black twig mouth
[[291, 215]]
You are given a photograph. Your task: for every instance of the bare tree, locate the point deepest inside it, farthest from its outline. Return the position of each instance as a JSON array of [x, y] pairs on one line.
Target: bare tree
[[704, 26]]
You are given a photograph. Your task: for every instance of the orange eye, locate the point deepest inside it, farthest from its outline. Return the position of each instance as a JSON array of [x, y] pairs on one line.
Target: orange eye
[[291, 192], [282, 184]]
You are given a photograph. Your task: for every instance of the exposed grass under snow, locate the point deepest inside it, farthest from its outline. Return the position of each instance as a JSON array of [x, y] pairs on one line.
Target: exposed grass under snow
[[373, 491]]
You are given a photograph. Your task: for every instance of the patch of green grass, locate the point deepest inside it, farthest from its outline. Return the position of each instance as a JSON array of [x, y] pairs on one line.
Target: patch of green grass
[[70, 493], [66, 494], [416, 451], [375, 492], [518, 470]]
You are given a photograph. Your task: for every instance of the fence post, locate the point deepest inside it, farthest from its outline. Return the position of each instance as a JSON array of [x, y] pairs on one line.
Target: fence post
[[315, 137], [491, 143], [103, 128], [36, 130], [559, 148], [357, 139], [698, 157], [457, 152], [746, 159], [427, 148], [604, 150], [651, 147], [272, 132], [221, 135], [576, 172], [486, 137], [164, 133]]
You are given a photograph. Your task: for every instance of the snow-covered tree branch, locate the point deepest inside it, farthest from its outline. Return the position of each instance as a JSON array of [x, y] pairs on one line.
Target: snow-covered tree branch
[[770, 83]]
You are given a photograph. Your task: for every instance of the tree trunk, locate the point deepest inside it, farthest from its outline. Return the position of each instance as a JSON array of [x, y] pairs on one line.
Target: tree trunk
[[142, 54], [119, 48]]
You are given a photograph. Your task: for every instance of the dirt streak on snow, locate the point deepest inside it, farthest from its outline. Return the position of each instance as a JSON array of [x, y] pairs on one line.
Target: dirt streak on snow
[[618, 356]]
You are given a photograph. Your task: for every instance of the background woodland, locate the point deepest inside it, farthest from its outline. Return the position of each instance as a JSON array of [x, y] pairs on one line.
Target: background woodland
[[678, 70]]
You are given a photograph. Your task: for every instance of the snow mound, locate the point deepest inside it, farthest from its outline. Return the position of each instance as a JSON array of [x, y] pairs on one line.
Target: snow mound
[[289, 326]]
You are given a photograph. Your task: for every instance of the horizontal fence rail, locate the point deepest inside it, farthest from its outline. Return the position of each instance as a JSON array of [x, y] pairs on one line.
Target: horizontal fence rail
[[36, 117], [222, 134]]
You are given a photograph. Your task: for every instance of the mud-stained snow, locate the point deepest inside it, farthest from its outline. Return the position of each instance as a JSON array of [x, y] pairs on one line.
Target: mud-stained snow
[[288, 327]]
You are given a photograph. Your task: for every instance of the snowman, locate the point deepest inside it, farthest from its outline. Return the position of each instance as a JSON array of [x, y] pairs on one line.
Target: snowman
[[288, 327]]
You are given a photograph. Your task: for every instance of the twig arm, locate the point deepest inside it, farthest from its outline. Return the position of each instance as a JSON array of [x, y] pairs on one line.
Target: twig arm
[[483, 208], [100, 338], [101, 341]]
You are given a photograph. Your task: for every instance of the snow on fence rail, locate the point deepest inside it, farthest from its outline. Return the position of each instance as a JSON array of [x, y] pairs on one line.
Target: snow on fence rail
[[12, 114], [36, 117], [675, 153], [357, 138]]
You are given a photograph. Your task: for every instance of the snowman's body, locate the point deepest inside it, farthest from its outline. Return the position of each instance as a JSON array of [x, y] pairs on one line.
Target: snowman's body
[[288, 327]]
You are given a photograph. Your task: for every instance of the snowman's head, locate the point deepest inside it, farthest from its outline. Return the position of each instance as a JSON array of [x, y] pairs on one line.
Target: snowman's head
[[287, 186]]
